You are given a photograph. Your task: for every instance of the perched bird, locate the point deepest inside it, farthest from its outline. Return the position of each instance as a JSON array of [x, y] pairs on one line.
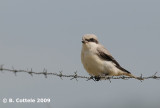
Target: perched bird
[[97, 61]]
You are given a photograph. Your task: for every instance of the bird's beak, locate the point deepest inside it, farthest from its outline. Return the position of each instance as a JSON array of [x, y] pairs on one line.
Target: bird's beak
[[83, 41]]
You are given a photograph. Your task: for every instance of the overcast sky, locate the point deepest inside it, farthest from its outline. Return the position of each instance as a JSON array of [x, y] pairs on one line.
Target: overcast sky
[[47, 34]]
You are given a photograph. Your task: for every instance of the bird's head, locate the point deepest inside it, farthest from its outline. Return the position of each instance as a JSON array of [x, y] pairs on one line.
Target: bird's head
[[89, 38]]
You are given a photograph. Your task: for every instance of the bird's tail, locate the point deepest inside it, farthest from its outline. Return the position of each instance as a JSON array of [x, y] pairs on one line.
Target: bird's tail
[[130, 75]]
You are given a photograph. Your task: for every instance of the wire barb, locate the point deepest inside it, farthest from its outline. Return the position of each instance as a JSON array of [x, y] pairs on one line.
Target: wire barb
[[60, 74], [45, 72]]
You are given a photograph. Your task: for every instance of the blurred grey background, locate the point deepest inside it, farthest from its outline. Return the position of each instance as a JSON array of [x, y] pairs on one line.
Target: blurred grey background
[[47, 34]]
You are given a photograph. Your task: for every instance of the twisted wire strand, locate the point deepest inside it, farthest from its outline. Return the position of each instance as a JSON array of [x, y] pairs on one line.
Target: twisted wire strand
[[75, 75]]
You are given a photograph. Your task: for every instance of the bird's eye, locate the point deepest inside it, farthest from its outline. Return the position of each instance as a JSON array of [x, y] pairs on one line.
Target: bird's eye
[[92, 40]]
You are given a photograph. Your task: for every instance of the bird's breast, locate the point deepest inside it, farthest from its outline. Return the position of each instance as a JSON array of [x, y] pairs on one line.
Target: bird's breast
[[92, 62]]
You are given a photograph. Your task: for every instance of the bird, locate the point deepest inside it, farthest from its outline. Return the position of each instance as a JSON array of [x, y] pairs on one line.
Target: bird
[[98, 61]]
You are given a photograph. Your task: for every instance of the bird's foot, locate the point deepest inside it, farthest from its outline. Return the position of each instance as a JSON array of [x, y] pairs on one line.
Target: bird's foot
[[95, 78]]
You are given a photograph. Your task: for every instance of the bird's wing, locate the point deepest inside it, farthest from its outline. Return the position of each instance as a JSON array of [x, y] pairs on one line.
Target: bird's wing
[[105, 55]]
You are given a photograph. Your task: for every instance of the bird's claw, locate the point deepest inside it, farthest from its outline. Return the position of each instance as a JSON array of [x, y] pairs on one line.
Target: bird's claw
[[95, 78]]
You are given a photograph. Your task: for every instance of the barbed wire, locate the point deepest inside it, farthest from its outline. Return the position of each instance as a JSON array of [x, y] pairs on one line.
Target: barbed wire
[[75, 75]]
